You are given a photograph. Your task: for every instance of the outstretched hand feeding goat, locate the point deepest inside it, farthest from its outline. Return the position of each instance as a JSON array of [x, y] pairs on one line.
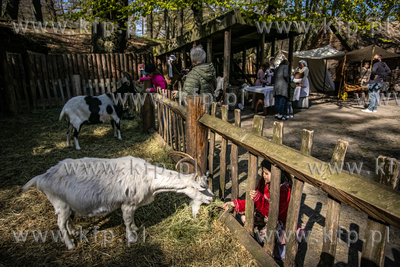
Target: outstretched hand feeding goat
[[74, 188]]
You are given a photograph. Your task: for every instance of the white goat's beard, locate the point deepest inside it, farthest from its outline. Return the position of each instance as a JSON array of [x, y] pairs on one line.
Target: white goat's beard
[[195, 207]]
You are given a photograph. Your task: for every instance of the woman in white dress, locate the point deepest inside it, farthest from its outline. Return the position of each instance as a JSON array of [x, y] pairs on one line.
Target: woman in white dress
[[270, 71], [301, 80]]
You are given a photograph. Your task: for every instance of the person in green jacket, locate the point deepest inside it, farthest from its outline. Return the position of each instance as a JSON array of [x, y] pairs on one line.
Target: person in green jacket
[[202, 77]]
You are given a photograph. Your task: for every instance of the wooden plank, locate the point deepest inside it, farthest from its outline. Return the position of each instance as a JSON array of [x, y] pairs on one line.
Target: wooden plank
[[373, 252], [60, 67], [61, 91], [135, 67], [76, 84], [114, 84], [222, 156], [112, 60], [75, 64], [102, 87], [46, 79], [263, 258], [295, 203], [99, 67], [90, 88], [15, 73], [125, 63], [95, 67], [307, 142], [292, 220], [81, 68], [70, 67], [41, 93], [90, 67], [197, 143], [234, 161], [86, 66], [108, 85], [212, 149], [273, 207], [51, 77], [227, 57], [121, 62], [69, 94], [171, 139], [23, 79], [53, 83], [175, 131], [108, 60], [117, 67], [33, 76], [96, 87], [258, 124], [388, 174], [183, 134], [84, 87], [105, 69], [277, 136]]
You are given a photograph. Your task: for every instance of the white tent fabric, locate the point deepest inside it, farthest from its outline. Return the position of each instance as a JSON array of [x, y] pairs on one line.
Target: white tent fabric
[[319, 77], [366, 53]]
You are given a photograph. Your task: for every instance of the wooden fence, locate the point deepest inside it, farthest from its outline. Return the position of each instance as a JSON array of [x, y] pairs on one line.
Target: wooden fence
[[186, 129], [42, 81]]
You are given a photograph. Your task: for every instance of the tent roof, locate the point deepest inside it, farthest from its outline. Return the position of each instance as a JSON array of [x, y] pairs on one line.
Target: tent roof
[[319, 53], [365, 53]]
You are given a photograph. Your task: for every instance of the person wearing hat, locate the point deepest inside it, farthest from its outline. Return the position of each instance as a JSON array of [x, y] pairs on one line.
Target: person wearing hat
[[173, 74], [158, 81], [301, 80]]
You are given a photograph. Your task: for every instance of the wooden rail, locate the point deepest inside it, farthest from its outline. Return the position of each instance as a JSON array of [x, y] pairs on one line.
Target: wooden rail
[[379, 202]]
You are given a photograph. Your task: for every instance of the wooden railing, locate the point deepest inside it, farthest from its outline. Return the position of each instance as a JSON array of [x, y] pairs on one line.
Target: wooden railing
[[42, 81], [379, 202]]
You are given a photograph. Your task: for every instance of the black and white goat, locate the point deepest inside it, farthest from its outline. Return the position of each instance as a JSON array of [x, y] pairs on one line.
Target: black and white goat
[[94, 110], [75, 189]]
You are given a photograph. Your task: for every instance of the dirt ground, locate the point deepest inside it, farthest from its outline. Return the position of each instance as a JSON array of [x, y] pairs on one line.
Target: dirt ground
[[369, 135]]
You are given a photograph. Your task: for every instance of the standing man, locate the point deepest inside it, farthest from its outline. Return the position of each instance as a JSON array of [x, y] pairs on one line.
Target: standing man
[[281, 87], [379, 71]]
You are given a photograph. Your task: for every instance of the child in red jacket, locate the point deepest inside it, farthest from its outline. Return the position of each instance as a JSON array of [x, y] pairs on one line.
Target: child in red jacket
[[261, 197]]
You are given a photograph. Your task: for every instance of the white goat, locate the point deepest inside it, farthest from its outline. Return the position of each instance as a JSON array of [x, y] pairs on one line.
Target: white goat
[[84, 187], [94, 110]]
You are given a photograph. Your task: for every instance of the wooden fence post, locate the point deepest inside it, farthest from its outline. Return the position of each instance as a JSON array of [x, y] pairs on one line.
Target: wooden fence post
[[234, 161], [148, 117], [390, 174], [197, 134], [76, 84], [8, 84], [328, 254], [211, 150], [295, 203], [222, 156], [258, 124]]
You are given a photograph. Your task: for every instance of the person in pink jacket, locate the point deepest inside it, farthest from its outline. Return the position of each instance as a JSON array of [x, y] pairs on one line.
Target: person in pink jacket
[[156, 78]]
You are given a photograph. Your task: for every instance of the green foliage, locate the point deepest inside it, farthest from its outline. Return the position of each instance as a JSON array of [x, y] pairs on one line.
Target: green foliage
[[358, 11]]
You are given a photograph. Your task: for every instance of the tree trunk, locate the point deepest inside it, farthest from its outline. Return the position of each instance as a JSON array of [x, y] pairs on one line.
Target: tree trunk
[[114, 42], [150, 25], [180, 22], [52, 10], [12, 9], [197, 14], [166, 24]]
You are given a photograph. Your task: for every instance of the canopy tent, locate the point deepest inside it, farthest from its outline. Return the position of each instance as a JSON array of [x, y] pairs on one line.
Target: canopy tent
[[365, 53], [319, 77]]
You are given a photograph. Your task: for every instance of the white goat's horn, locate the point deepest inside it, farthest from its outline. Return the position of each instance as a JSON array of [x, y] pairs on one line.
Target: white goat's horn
[[178, 153], [193, 162]]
